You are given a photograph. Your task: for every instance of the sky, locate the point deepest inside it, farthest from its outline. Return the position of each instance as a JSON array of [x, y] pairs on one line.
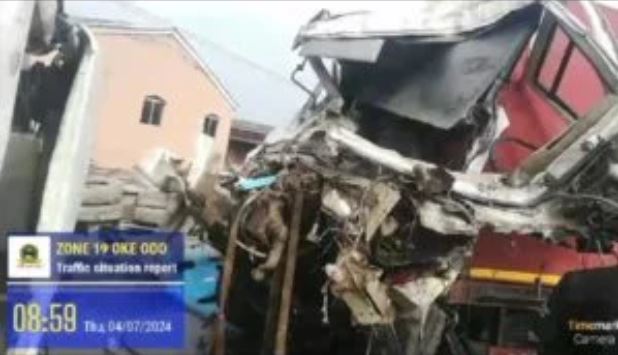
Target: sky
[[258, 32], [247, 44], [262, 31]]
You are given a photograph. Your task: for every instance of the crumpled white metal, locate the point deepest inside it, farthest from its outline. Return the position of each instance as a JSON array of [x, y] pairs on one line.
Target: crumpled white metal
[[421, 18]]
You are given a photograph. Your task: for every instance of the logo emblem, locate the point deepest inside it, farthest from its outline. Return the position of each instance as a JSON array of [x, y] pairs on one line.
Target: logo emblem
[[29, 256]]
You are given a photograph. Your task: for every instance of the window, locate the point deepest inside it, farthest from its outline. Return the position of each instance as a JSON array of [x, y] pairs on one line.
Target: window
[[152, 109], [211, 121], [568, 77]]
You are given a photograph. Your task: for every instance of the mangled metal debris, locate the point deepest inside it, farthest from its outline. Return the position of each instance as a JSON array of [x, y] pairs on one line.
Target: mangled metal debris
[[392, 197], [359, 284], [390, 215]]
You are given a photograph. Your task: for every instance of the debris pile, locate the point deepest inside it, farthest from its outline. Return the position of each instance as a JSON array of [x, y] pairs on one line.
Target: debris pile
[[345, 232], [140, 197], [388, 156], [388, 234]]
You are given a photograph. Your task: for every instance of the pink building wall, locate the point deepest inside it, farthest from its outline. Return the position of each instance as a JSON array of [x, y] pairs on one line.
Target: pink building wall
[[137, 64]]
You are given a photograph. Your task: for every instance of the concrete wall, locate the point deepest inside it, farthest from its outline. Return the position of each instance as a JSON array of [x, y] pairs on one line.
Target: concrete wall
[[139, 64]]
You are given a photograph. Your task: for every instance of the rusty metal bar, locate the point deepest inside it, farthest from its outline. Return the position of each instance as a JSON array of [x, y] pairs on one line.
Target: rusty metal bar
[[274, 303], [288, 278], [226, 281]]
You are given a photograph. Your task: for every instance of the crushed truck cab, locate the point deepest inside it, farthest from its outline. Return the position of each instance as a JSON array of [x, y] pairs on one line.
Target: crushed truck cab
[[430, 128]]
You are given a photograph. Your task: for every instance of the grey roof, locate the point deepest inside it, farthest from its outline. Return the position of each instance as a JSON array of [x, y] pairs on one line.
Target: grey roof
[[113, 12], [261, 95], [249, 132], [252, 126]]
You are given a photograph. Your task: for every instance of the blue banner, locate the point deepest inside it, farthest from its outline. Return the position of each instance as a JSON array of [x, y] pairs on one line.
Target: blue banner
[[112, 256], [96, 317], [96, 290]]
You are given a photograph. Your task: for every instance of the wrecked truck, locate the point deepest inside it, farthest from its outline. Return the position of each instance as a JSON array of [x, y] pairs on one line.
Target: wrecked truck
[[345, 233]]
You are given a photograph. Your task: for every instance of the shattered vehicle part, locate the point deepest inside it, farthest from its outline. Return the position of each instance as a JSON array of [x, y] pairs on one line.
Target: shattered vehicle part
[[418, 20], [359, 285], [266, 226], [397, 178], [448, 77], [386, 197], [422, 291], [336, 204]]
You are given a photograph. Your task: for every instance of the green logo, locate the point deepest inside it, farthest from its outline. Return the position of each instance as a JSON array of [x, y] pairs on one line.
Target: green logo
[[29, 256]]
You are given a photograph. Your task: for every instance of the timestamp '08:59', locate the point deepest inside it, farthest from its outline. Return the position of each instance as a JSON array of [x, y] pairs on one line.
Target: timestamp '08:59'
[[57, 318]]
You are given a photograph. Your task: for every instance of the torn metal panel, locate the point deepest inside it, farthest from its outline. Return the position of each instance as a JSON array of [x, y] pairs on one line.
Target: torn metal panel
[[386, 157], [265, 223], [362, 50], [358, 283], [412, 19], [390, 225], [333, 202], [421, 293], [486, 187], [480, 151], [386, 197], [471, 218], [437, 83], [487, 201]]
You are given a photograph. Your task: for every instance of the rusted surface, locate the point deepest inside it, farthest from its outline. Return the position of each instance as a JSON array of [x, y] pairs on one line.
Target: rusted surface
[[226, 280], [287, 289], [274, 306]]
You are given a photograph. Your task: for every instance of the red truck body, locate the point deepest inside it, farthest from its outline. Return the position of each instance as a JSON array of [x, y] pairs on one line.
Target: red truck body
[[512, 274]]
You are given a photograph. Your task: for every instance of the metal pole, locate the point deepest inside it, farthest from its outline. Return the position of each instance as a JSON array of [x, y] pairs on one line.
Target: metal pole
[[288, 277]]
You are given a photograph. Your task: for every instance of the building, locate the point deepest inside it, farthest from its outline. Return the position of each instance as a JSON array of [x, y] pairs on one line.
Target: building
[[263, 99], [266, 100], [156, 93], [244, 136]]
